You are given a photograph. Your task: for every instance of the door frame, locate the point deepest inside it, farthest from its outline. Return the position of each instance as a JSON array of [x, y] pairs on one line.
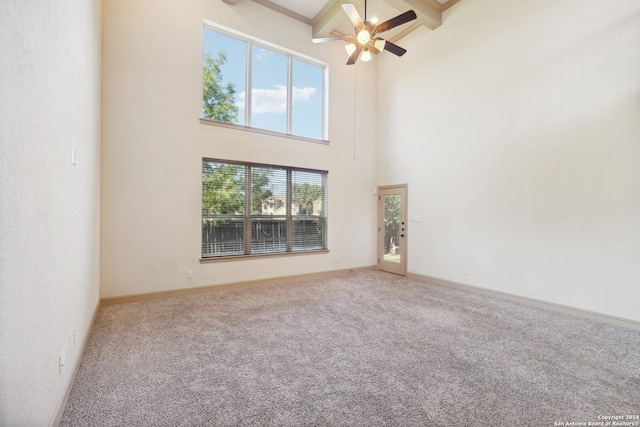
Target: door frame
[[391, 267]]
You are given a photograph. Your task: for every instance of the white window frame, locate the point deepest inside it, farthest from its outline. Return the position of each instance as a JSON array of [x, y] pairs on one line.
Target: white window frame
[[291, 55], [289, 217]]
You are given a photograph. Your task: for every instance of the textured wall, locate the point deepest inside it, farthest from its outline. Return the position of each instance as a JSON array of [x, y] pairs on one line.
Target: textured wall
[[49, 208], [153, 145], [517, 127]]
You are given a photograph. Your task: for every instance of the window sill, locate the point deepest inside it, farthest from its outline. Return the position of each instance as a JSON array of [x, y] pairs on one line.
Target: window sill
[[263, 131], [261, 256]]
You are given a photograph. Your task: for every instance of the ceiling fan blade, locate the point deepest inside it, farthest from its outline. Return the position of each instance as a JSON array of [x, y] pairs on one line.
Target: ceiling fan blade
[[394, 48], [354, 56], [352, 13], [394, 22], [331, 38]]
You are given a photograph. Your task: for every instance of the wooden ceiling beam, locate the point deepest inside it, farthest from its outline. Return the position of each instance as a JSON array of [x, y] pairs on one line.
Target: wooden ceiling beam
[[280, 9], [408, 29], [428, 13], [441, 6], [328, 18]]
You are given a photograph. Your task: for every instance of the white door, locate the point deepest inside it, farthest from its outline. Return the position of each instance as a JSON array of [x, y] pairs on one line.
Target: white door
[[392, 229]]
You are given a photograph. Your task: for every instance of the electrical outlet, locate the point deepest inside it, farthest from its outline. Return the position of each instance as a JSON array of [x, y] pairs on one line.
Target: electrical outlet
[[62, 360], [466, 271], [73, 338], [189, 274]]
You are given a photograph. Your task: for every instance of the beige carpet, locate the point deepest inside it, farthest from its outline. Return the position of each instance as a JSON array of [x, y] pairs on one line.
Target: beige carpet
[[364, 349]]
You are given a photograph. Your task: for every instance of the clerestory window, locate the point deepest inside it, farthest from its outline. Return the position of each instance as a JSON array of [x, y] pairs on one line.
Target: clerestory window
[[257, 85], [253, 209]]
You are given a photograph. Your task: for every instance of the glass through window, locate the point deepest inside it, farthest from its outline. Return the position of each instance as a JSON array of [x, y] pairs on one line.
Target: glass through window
[[252, 209], [307, 111], [224, 82], [249, 84]]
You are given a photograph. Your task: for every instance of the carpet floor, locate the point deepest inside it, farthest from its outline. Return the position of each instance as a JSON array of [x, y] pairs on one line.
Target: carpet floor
[[362, 349]]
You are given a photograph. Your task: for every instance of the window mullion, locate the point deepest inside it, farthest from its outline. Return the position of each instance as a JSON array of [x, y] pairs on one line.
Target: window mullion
[[248, 224]]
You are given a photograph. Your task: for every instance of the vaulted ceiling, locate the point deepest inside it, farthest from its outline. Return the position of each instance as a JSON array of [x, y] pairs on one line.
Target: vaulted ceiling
[[326, 17]]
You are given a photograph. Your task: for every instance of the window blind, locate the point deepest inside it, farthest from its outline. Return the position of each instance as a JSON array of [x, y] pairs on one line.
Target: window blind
[[250, 209]]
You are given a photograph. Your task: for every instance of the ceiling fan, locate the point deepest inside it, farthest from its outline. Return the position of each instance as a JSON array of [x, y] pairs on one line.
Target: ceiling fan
[[364, 39]]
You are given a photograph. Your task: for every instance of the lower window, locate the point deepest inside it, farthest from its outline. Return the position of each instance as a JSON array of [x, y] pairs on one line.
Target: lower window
[[253, 209]]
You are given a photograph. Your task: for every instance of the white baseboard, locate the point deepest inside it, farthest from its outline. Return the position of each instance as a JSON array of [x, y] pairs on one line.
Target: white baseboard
[[76, 366], [235, 285], [585, 314]]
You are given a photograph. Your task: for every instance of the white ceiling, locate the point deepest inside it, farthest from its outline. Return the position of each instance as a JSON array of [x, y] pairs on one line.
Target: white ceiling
[[326, 17]]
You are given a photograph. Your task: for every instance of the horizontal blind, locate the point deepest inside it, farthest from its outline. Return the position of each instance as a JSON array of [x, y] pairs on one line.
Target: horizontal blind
[[223, 209], [309, 210], [268, 209], [258, 209], [222, 189]]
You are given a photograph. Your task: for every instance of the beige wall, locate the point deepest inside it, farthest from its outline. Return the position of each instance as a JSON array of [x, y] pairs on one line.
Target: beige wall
[[49, 208], [517, 126], [153, 144]]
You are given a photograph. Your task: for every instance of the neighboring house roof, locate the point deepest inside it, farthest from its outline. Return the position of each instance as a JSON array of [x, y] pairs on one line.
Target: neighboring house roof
[[276, 205]]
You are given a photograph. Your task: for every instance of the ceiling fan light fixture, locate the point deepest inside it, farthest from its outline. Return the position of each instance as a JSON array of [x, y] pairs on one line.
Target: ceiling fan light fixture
[[350, 48], [364, 40], [363, 36]]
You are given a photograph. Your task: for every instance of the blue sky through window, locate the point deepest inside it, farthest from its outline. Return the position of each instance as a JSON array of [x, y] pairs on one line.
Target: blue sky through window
[[235, 68], [269, 89], [307, 99], [269, 85]]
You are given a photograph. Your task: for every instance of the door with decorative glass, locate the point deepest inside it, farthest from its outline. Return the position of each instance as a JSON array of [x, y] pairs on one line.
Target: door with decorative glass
[[392, 229]]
